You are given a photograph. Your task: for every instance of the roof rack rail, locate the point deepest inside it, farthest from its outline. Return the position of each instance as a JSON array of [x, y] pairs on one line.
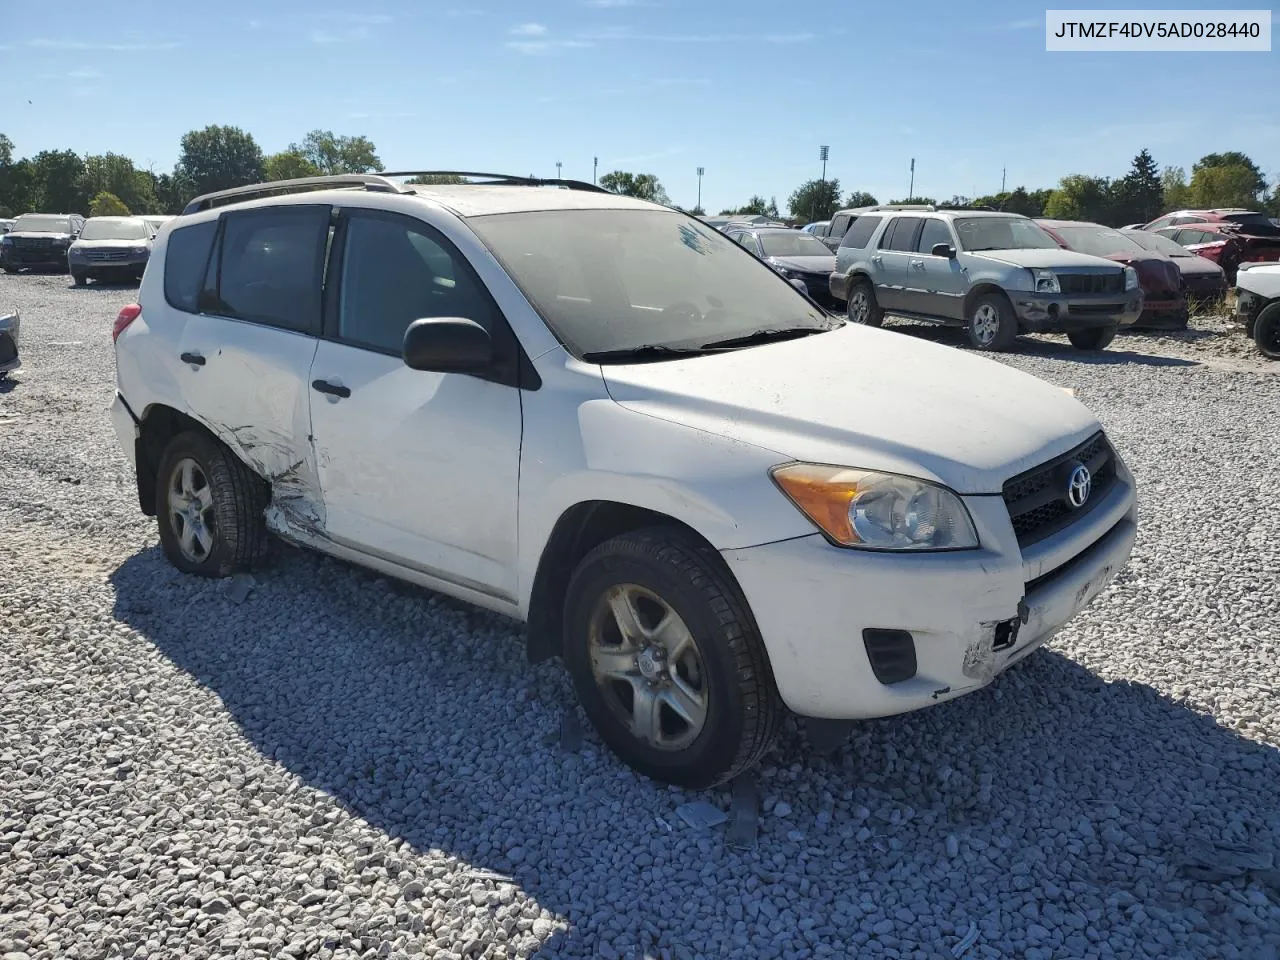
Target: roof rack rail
[[928, 207], [507, 179], [368, 181]]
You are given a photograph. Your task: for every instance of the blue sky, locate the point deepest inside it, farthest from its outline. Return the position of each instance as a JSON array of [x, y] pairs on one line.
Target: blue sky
[[747, 89]]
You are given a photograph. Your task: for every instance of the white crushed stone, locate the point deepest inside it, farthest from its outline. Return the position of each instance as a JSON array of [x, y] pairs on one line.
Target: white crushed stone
[[335, 766]]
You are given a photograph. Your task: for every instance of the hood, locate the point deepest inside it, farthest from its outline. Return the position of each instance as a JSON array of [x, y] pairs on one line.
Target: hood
[[1197, 266], [111, 243], [1046, 258], [29, 235], [1156, 272], [863, 397], [1264, 280], [815, 264]]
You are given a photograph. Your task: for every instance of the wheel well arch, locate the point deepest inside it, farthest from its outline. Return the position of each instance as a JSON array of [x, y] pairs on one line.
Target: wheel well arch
[[159, 425], [981, 290], [578, 531]]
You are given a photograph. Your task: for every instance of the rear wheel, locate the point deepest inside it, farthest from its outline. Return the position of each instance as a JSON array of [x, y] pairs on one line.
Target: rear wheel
[[667, 660], [991, 323], [1093, 338], [209, 507], [862, 306], [1266, 331]]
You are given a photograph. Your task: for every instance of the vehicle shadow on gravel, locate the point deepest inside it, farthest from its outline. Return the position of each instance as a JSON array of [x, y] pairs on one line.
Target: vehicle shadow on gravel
[[1117, 353], [1051, 801]]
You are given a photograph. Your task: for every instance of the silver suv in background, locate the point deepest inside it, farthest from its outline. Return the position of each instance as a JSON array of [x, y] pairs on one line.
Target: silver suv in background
[[995, 274], [110, 247]]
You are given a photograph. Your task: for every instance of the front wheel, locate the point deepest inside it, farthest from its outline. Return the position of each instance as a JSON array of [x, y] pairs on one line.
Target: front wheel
[[78, 278], [1092, 338], [991, 323], [862, 306], [1266, 331], [667, 660], [209, 507]]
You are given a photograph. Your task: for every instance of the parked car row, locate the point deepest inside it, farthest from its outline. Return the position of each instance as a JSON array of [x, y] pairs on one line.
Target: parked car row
[[97, 248]]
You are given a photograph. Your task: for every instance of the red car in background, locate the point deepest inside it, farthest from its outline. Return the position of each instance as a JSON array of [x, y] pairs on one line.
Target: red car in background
[[1226, 244], [1205, 280], [1164, 295], [1250, 221]]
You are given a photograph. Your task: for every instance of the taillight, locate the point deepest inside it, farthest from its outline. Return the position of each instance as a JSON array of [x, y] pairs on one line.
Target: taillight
[[129, 314]]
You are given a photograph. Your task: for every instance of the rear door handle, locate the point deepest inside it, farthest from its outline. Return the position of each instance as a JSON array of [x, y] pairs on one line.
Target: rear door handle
[[918, 264], [192, 358], [333, 389]]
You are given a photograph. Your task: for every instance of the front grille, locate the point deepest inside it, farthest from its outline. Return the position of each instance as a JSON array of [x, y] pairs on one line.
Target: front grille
[[103, 256], [32, 243], [1037, 499], [1075, 283]]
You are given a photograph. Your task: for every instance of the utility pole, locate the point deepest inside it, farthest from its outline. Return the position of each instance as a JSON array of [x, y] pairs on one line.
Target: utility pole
[[558, 165], [701, 171], [595, 167], [911, 191], [1003, 171], [823, 153]]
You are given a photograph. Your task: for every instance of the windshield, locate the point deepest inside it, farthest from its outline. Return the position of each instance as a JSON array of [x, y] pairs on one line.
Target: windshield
[[114, 228], [1001, 233], [41, 223], [607, 280], [793, 244], [1098, 241], [1154, 241]]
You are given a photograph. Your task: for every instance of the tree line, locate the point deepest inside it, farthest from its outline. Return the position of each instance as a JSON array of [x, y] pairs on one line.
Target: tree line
[[221, 157]]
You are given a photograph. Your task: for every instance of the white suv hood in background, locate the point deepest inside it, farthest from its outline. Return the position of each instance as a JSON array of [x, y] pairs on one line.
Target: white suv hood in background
[[862, 397]]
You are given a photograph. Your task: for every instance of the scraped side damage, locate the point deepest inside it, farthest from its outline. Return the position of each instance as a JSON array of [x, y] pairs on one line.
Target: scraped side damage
[[296, 510]]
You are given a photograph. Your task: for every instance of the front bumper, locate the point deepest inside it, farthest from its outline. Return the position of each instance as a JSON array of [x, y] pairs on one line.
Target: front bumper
[[812, 602], [1248, 305], [1060, 312], [9, 328], [1169, 313], [123, 263], [15, 258]]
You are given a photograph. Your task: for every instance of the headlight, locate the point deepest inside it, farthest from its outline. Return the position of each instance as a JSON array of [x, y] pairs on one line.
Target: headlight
[[6, 240], [877, 511], [1045, 281], [1130, 278], [74, 251], [140, 249], [789, 274]]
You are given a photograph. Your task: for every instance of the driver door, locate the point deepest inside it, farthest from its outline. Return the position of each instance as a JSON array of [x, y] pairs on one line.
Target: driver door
[[419, 468]]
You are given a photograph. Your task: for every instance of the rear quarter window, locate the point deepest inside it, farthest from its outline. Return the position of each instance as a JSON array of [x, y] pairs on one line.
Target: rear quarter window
[[859, 234], [186, 259]]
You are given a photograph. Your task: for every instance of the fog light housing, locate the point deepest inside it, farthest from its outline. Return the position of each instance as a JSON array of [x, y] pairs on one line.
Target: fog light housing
[[892, 654]]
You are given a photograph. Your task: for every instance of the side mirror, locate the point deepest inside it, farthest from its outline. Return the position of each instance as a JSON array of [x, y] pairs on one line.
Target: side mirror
[[447, 345], [943, 250]]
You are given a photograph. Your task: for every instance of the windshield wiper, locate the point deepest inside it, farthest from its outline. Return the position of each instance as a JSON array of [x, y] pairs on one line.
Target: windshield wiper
[[648, 351], [769, 335]]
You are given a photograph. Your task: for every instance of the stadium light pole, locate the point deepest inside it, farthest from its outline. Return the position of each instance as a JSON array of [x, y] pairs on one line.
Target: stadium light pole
[[558, 166], [701, 171], [823, 153]]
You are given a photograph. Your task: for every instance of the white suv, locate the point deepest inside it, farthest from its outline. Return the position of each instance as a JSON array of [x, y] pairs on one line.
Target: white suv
[[607, 419]]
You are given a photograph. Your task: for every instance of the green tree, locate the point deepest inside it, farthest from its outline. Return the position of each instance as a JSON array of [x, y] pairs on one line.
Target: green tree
[[757, 206], [6, 151], [646, 186], [915, 200], [218, 158], [16, 181], [696, 212], [1233, 158], [333, 154], [860, 198], [815, 199], [1079, 197], [437, 179], [1174, 189], [288, 165], [1029, 203], [107, 205], [116, 174], [59, 182], [171, 191], [1232, 185], [1138, 196]]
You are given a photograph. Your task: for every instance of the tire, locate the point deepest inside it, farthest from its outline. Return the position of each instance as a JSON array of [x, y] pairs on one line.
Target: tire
[[1093, 338], [79, 279], [1266, 331], [657, 573], [230, 511], [991, 323], [9, 269], [862, 307]]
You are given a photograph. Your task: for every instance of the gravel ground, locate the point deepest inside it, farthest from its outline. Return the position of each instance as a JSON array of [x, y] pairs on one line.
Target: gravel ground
[[338, 766]]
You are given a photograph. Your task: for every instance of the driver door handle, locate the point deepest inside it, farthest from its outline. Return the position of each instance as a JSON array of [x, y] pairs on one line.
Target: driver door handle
[[918, 264], [194, 358], [333, 389], [877, 259]]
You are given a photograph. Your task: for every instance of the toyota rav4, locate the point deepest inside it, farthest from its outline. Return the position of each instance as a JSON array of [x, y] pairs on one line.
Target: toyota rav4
[[605, 418]]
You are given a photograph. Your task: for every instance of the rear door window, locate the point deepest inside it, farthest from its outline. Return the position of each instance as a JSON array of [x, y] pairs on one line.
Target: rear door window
[[839, 226], [269, 267], [186, 259], [859, 235], [904, 234]]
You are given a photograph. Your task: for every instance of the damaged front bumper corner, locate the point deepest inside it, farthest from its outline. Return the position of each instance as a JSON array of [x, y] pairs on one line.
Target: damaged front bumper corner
[[9, 359]]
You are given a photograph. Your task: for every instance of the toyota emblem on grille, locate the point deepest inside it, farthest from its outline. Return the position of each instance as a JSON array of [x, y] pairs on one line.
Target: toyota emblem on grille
[[1079, 487]]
